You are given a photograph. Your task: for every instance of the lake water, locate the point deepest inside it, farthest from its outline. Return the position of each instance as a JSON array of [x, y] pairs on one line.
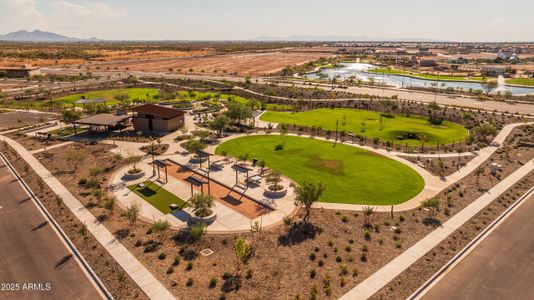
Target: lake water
[[359, 70]]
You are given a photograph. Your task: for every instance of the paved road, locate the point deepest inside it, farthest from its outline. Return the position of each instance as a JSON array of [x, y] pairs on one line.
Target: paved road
[[500, 267], [31, 251]]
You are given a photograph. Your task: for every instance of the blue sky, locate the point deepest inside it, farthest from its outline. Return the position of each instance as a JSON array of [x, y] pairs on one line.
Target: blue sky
[[466, 20]]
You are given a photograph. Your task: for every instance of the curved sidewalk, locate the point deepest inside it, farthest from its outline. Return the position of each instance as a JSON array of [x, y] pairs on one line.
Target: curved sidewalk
[[394, 268], [142, 277]]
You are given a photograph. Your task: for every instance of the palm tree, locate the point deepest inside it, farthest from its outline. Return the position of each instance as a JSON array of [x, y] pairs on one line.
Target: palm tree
[[307, 194]]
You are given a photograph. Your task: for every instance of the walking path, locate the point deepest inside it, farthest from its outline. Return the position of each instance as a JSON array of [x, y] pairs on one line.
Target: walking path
[[229, 218], [382, 277], [144, 279], [50, 148]]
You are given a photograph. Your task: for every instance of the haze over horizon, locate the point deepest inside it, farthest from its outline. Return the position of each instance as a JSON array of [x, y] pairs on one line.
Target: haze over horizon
[[468, 21]]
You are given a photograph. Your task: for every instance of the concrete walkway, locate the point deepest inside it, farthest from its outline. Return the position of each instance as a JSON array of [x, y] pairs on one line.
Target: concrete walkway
[[382, 277], [50, 148], [142, 277], [228, 219]]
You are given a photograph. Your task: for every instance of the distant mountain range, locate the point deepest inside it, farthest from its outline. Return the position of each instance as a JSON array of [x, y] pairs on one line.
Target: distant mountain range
[[43, 36], [39, 36], [328, 38]]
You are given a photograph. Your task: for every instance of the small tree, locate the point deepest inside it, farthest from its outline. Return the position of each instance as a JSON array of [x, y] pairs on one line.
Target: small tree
[[76, 157], [197, 231], [261, 164], [201, 134], [133, 160], [283, 133], [132, 213], [59, 203], [109, 205], [307, 194], [367, 213], [219, 123], [432, 204], [161, 227], [273, 179], [193, 146], [201, 204], [479, 171], [243, 251]]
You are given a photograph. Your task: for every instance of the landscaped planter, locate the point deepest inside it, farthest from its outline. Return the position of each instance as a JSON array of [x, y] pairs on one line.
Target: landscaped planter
[[275, 194], [197, 159], [206, 220], [133, 176]]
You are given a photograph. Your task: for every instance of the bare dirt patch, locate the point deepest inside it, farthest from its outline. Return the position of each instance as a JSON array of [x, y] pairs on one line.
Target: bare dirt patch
[[246, 64], [15, 119]]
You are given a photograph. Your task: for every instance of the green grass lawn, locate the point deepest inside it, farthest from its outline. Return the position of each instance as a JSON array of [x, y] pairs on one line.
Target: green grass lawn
[[351, 175], [157, 196], [68, 130], [424, 76], [521, 81], [108, 95], [372, 124]]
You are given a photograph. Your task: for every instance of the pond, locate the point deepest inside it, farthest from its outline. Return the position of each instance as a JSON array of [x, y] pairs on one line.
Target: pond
[[360, 71]]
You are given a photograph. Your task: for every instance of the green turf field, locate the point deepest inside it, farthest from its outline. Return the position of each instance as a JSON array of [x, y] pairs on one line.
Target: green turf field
[[351, 175], [423, 76], [108, 95], [157, 196], [372, 124]]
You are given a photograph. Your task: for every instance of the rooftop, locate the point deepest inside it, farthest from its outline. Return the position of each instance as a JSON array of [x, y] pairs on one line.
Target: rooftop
[[102, 120], [158, 110]]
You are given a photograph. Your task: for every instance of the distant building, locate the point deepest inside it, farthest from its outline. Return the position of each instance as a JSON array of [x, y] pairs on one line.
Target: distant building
[[506, 55], [22, 71], [493, 71], [427, 63], [151, 117]]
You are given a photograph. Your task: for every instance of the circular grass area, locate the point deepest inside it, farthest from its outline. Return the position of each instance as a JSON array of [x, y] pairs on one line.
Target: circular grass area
[[350, 175], [387, 127]]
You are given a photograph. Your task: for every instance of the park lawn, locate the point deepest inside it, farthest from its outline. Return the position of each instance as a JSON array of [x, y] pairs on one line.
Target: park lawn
[[193, 95], [372, 125], [157, 196], [350, 175], [521, 81], [108, 95], [68, 130], [424, 76]]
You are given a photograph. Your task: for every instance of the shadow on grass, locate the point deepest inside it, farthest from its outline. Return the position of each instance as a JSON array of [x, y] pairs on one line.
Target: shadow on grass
[[298, 233]]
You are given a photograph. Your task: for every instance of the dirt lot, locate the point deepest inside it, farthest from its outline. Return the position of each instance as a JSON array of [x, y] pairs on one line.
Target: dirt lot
[[243, 63], [14, 119]]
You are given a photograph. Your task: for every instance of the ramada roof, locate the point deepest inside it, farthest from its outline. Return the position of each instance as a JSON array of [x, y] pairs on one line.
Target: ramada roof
[[102, 120], [158, 110]]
